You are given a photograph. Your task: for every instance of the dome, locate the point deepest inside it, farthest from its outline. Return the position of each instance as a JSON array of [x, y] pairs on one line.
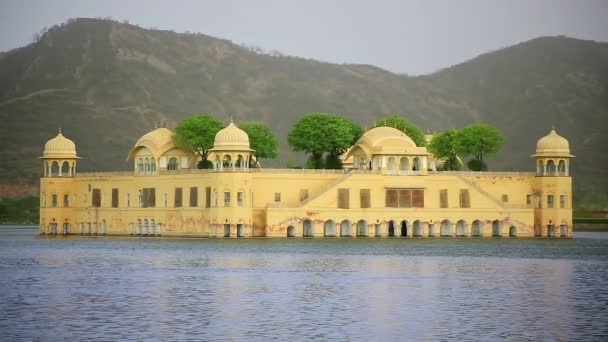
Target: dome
[[553, 144], [231, 138], [157, 141], [376, 136], [59, 147], [384, 140]]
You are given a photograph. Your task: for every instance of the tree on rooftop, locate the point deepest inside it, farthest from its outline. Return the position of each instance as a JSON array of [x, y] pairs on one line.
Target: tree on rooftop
[[443, 146], [479, 141], [262, 140], [197, 134]]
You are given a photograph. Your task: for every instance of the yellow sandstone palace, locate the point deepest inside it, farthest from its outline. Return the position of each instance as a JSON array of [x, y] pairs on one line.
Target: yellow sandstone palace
[[389, 188]]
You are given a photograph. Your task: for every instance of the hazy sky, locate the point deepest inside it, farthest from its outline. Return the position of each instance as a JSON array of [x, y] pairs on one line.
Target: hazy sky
[[413, 37]]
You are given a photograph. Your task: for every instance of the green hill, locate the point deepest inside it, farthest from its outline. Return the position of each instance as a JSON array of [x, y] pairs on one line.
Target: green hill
[[106, 83]]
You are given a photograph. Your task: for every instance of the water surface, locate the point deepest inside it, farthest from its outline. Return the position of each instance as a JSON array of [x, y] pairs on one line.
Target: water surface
[[81, 288]]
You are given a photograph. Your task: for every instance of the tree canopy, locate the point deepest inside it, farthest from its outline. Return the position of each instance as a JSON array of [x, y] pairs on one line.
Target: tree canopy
[[261, 139], [319, 133], [405, 126], [197, 134], [443, 146], [479, 141]]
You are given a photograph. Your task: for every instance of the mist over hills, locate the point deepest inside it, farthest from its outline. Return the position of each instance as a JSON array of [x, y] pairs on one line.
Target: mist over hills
[[106, 83]]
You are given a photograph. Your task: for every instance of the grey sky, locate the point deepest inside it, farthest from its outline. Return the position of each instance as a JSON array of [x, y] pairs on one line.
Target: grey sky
[[414, 37]]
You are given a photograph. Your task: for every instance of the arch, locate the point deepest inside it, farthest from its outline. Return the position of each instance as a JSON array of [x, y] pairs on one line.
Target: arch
[[391, 227], [308, 228], [404, 164], [461, 228], [140, 165], [144, 230], [375, 163], [540, 167], [95, 228], [240, 162], [172, 165], [217, 163], [103, 227], [291, 231], [346, 228], [329, 228], [240, 230], [497, 228], [550, 230], [54, 168], [146, 165], [561, 167], [551, 168], [81, 227], [65, 169], [227, 161], [405, 227], [512, 231], [152, 165], [563, 230], [391, 164], [417, 164], [362, 228], [477, 228], [446, 228], [131, 228], [417, 228], [140, 198], [159, 227], [88, 228], [139, 227], [152, 227]]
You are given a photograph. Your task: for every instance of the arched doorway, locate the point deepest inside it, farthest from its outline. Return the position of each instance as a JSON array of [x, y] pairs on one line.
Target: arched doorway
[[291, 231], [477, 229], [497, 228], [145, 229], [152, 227], [512, 231], [417, 228], [405, 226], [103, 227], [461, 228], [329, 228], [404, 164], [346, 228], [550, 230], [138, 231], [158, 229], [308, 228], [240, 230], [563, 230], [81, 227], [446, 228], [172, 166], [391, 228], [362, 228], [417, 164]]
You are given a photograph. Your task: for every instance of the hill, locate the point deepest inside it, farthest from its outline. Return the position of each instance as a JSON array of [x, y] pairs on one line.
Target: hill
[[106, 83]]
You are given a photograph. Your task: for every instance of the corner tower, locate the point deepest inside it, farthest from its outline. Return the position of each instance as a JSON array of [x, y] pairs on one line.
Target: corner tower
[[553, 187], [59, 157]]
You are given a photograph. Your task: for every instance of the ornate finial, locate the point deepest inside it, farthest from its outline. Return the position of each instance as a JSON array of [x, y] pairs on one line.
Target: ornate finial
[[231, 120], [155, 124], [553, 127], [59, 129]]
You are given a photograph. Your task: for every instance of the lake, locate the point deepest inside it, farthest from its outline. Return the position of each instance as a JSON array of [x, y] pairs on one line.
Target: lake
[[138, 288]]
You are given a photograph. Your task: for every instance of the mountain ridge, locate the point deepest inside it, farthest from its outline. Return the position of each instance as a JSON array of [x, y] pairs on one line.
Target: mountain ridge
[[106, 84]]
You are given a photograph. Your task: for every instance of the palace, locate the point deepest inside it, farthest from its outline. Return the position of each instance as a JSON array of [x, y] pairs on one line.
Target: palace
[[390, 187]]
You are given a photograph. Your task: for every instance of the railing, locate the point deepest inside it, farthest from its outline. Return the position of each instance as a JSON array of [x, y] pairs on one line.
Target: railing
[[104, 174], [482, 173]]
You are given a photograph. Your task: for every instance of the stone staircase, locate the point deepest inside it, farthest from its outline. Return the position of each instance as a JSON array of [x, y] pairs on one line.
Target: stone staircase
[[327, 188], [482, 191]]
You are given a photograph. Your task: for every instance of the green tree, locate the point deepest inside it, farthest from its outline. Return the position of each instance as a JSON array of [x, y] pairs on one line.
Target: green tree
[[405, 126], [443, 146], [197, 134], [262, 140], [479, 141], [320, 133]]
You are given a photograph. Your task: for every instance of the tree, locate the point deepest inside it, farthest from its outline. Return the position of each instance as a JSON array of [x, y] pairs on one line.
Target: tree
[[479, 141], [405, 126], [319, 133], [197, 134], [443, 146], [262, 140]]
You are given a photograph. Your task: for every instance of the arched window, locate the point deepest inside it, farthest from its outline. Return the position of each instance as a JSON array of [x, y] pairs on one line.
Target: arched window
[[308, 228], [239, 161], [461, 228], [346, 228], [146, 165], [152, 165], [446, 228], [496, 228], [404, 164], [140, 198], [172, 166], [551, 169], [540, 168], [152, 227], [362, 228], [65, 169], [54, 168], [227, 161], [329, 228], [417, 164], [561, 168], [391, 164], [140, 165]]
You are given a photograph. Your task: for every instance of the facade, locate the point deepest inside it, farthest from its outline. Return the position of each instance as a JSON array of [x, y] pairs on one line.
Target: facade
[[390, 189]]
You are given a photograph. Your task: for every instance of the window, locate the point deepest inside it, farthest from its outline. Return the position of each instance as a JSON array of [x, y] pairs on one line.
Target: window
[[96, 198], [54, 200], [140, 198], [343, 198], [194, 196], [277, 197], [115, 198], [505, 198], [539, 200], [165, 199], [465, 201], [549, 201], [443, 198], [562, 201], [128, 200], [149, 197], [208, 197], [529, 200], [303, 194], [226, 198], [177, 200], [405, 198], [172, 166], [364, 198], [240, 199], [66, 200]]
